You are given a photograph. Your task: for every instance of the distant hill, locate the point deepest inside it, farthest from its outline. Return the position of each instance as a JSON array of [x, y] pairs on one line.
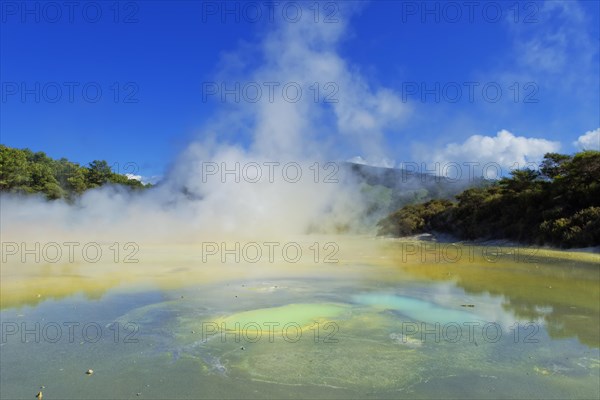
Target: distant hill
[[387, 189]]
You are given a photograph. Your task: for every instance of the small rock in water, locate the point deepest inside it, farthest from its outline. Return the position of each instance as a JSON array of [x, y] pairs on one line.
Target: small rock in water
[[467, 305], [89, 372], [242, 348], [39, 395], [405, 340]]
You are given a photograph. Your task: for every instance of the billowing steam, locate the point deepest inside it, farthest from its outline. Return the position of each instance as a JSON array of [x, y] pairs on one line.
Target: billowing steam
[[217, 190]]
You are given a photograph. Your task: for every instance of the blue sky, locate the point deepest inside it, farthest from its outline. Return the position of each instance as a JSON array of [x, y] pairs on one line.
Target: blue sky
[[152, 59]]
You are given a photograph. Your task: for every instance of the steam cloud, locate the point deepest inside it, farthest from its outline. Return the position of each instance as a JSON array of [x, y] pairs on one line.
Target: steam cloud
[[189, 205]]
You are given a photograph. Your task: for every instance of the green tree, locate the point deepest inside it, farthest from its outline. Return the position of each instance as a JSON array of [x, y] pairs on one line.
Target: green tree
[[98, 173], [553, 165], [43, 180], [71, 177], [124, 180], [520, 180], [14, 169]]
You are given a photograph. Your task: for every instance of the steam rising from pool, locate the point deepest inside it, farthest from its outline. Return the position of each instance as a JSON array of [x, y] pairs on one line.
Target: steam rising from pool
[[194, 202]]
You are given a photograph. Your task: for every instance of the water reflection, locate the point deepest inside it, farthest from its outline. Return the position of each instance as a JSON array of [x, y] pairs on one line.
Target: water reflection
[[382, 302], [559, 288]]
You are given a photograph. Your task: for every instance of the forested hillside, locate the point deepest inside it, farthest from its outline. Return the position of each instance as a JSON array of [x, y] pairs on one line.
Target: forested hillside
[[559, 204], [23, 171]]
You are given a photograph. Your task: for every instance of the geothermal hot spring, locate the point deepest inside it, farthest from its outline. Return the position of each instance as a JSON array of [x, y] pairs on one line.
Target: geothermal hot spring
[[332, 316], [195, 289]]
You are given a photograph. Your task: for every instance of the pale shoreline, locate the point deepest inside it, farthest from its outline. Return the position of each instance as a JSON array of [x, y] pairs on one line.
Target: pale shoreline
[[446, 238]]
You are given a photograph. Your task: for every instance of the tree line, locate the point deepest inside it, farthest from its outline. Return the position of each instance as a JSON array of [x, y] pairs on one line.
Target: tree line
[[557, 204], [26, 172]]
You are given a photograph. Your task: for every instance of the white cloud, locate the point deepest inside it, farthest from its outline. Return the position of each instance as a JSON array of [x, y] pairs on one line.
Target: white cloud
[[145, 179], [556, 39], [132, 176], [505, 149], [383, 162], [589, 141]]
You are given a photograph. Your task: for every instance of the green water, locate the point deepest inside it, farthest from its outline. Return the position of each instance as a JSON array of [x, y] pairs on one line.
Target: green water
[[377, 324]]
